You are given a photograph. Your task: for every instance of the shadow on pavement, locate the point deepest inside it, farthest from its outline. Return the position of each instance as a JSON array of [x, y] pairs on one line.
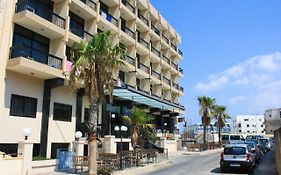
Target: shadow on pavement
[[218, 171]]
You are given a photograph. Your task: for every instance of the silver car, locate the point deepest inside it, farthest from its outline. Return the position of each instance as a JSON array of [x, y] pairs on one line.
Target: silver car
[[237, 157]]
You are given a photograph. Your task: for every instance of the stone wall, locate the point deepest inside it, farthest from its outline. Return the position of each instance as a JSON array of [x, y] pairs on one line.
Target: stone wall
[[277, 138]]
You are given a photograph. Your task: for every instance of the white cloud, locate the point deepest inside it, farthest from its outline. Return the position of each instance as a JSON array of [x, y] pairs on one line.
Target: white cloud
[[237, 99], [214, 84]]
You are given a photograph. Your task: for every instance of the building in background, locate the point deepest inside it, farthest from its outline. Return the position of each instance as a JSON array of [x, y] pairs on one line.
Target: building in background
[[35, 64], [272, 120], [248, 124]]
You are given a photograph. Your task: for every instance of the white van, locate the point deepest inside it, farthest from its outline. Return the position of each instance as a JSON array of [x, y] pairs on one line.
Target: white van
[[231, 138]]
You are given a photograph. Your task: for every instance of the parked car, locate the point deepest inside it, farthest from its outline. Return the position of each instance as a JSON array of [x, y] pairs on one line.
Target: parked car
[[253, 137], [259, 145], [266, 143], [237, 157], [254, 148], [229, 138]]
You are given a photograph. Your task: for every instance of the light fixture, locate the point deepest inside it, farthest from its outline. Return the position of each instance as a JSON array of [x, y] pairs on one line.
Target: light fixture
[[165, 124], [112, 115], [26, 132], [116, 128], [78, 135], [124, 128]]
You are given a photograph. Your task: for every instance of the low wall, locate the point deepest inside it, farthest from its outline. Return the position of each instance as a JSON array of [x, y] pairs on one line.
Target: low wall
[[43, 166], [10, 166], [277, 138]]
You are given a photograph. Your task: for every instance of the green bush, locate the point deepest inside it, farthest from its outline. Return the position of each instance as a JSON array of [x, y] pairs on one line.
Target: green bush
[[105, 170], [39, 158]]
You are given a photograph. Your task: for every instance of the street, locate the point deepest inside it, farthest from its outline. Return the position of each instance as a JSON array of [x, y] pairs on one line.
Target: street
[[207, 164]]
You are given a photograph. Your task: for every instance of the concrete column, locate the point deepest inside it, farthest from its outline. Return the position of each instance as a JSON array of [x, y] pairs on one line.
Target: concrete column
[[78, 147], [109, 144], [26, 148]]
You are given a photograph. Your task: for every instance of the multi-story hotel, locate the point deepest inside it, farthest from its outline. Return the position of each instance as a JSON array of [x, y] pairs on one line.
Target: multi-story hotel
[[36, 37]]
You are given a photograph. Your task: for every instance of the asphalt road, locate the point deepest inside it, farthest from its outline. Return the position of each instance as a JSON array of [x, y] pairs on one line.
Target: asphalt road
[[207, 164]]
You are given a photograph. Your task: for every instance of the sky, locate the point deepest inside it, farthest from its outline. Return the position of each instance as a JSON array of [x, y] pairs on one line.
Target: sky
[[232, 52]]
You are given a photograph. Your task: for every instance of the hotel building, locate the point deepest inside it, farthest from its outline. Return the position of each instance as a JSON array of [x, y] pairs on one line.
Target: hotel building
[[248, 124], [36, 37]]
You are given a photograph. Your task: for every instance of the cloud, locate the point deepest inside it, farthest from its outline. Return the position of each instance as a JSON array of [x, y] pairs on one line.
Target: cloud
[[235, 100], [214, 84]]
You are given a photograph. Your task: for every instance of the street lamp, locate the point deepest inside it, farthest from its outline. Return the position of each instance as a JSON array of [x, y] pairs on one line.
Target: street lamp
[[165, 124], [26, 133], [78, 135], [120, 129], [110, 116]]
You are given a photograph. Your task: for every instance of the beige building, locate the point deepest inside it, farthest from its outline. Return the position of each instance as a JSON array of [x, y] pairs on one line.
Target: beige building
[[272, 120], [36, 37]]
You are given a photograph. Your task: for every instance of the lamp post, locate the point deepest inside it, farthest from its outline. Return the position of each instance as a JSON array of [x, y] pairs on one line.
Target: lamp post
[[165, 125], [26, 133], [120, 129], [110, 116]]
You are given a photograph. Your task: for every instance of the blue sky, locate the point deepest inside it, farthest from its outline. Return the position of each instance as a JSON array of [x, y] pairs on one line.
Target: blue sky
[[232, 52]]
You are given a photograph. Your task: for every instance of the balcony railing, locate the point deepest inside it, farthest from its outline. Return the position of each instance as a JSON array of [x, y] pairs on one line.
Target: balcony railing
[[48, 14], [181, 70], [143, 19], [128, 5], [166, 80], [175, 85], [181, 89], [155, 51], [109, 18], [143, 42], [90, 3], [174, 46], [130, 60], [156, 74], [174, 65], [180, 52], [165, 38], [36, 55], [87, 36], [155, 29], [166, 59], [128, 31], [143, 67]]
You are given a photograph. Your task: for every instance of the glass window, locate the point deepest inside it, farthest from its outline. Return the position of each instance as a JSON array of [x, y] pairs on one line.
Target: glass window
[[225, 137], [234, 150], [62, 112], [23, 106], [86, 114], [235, 137]]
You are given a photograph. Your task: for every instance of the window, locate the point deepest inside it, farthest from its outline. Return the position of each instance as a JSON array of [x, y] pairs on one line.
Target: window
[[248, 125], [240, 131], [248, 131], [23, 106], [67, 53], [239, 125], [246, 119], [269, 115], [280, 114], [261, 125], [76, 24], [86, 114], [62, 112]]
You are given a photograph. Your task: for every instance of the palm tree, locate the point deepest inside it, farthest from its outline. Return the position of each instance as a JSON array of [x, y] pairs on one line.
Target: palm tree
[[138, 120], [94, 64], [220, 115], [206, 106]]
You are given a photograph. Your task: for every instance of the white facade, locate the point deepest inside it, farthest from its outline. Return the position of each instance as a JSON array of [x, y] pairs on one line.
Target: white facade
[[248, 124], [272, 120]]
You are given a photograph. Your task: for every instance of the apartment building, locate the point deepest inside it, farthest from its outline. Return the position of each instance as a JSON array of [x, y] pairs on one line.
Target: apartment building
[[36, 38], [272, 120], [248, 124]]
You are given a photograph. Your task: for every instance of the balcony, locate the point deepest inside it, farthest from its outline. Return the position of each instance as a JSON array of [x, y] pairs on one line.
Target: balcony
[[165, 38], [108, 18], [174, 47], [155, 30], [86, 8], [181, 89], [31, 61], [181, 70], [143, 42], [78, 33], [143, 19], [155, 51], [180, 52], [166, 80], [129, 6], [175, 85], [174, 65], [130, 60], [128, 31], [143, 67], [156, 74], [166, 59], [48, 23]]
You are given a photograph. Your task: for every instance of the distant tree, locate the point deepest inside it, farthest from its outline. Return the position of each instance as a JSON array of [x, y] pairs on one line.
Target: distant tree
[[220, 116]]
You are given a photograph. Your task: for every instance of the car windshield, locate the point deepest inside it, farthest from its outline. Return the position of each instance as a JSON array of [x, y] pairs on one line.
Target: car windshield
[[251, 144], [234, 150], [255, 141], [234, 137], [224, 137]]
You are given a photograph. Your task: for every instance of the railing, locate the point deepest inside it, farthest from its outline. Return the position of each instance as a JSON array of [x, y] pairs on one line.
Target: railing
[[90, 3], [156, 74], [175, 85], [130, 60], [181, 70], [128, 5], [181, 89], [166, 80], [174, 46], [143, 42], [109, 18], [174, 65], [180, 52], [165, 38], [48, 14], [128, 31], [155, 29], [36, 55], [166, 59], [143, 19], [87, 36], [155, 51], [143, 67]]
